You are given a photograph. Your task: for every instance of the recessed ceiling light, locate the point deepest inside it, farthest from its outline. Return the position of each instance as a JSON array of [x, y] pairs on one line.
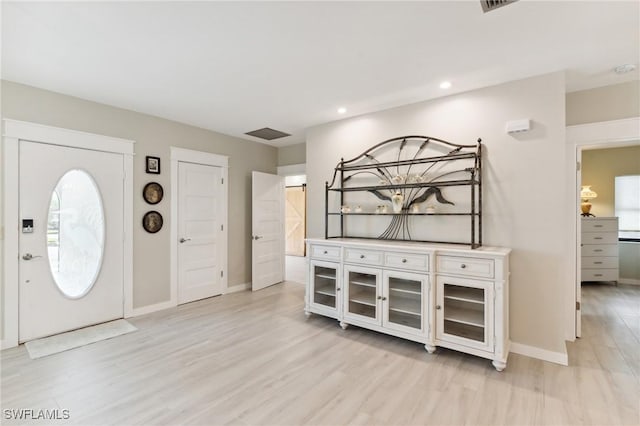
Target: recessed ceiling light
[[342, 110], [445, 85], [622, 69]]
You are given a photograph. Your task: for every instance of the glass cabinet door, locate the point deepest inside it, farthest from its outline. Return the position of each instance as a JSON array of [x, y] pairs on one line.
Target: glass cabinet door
[[325, 288], [405, 301], [362, 293], [464, 312]]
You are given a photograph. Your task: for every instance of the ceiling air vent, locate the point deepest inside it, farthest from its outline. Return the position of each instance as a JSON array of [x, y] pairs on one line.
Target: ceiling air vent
[[267, 134], [489, 5]]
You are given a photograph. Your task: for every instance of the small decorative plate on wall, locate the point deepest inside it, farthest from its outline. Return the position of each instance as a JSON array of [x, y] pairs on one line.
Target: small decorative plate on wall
[[152, 222], [153, 193]]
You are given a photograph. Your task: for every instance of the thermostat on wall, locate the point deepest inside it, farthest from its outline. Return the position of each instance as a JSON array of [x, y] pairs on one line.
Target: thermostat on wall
[[518, 126]]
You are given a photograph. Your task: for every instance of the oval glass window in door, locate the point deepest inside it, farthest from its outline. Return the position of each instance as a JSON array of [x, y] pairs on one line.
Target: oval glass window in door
[[75, 233]]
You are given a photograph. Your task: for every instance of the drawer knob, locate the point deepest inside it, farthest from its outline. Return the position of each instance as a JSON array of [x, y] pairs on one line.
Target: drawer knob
[[384, 298], [338, 289], [597, 238], [598, 275], [598, 263], [463, 266], [438, 307], [404, 260], [362, 256], [598, 250], [325, 252], [379, 297]]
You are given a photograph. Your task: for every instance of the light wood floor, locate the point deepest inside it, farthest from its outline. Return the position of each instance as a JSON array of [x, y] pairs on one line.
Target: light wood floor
[[253, 358]]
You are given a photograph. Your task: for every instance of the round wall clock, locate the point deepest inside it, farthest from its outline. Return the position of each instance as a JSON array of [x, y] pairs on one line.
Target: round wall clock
[[152, 222], [153, 193]]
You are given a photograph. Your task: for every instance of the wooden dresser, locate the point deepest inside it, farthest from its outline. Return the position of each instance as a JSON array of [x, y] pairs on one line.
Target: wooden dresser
[[600, 249]]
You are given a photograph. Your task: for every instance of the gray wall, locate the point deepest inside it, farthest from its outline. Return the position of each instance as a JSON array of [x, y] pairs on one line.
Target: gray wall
[[524, 204], [604, 103], [154, 136], [292, 154]]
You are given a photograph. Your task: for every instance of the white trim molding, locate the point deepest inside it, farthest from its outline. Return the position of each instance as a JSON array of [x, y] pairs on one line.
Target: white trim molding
[[35, 132], [14, 132], [208, 159], [534, 352]]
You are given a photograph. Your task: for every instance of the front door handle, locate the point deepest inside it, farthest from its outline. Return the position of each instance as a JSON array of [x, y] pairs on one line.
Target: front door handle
[[29, 256], [184, 240]]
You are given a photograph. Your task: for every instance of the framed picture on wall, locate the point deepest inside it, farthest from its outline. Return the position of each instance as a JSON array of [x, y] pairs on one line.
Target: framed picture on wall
[[153, 165]]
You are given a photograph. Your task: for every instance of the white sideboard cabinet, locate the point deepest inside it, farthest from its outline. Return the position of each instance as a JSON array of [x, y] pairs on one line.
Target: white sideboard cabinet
[[435, 294]]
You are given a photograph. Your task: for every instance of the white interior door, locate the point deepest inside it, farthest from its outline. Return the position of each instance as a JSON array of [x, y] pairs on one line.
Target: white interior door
[[200, 230], [267, 248], [578, 306], [71, 239]]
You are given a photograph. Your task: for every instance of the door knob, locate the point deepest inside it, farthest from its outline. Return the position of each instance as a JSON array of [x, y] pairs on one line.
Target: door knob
[[257, 237], [29, 256], [184, 240]]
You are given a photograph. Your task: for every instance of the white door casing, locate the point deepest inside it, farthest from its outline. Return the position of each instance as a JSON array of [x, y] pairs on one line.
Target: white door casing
[[200, 259], [267, 248], [605, 134], [14, 132]]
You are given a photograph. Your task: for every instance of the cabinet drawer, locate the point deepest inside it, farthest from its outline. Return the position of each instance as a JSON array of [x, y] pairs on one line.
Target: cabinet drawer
[[599, 262], [466, 266], [599, 250], [599, 238], [599, 226], [365, 257], [325, 252], [599, 275], [417, 262]]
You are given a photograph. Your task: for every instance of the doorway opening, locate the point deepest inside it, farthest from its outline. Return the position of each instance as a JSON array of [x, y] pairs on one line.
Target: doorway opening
[[609, 249]]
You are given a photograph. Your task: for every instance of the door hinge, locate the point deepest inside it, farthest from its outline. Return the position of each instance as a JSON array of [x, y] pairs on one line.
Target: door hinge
[[577, 166], [222, 181], [221, 274], [577, 306], [222, 227]]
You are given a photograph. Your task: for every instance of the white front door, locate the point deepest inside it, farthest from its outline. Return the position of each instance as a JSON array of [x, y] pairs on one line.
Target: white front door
[[71, 238], [200, 231], [267, 260]]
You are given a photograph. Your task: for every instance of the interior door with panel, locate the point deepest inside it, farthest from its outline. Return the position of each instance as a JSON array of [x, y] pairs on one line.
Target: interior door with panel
[[71, 242], [267, 248], [362, 294], [200, 252], [464, 312], [405, 299]]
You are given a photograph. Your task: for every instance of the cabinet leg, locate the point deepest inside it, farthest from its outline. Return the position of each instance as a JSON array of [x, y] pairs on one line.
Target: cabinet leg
[[499, 365], [430, 348], [307, 313], [344, 325]]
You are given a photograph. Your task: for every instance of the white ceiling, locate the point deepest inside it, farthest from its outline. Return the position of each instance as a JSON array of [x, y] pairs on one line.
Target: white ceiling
[[234, 67]]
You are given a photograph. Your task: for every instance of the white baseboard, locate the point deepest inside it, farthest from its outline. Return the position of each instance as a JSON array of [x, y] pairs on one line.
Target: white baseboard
[[631, 281], [6, 344], [538, 353], [151, 308], [238, 287]]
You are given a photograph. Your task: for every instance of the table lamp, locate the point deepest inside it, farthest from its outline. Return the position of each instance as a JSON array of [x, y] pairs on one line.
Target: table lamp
[[586, 193]]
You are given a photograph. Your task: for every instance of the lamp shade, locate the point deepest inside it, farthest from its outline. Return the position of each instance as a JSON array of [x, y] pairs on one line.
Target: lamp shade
[[587, 193]]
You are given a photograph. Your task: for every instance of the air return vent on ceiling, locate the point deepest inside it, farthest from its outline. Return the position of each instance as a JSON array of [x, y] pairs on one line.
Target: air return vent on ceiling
[[267, 134], [489, 5]]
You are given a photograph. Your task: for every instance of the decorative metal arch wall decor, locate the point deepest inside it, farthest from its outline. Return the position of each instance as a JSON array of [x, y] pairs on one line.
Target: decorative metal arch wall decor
[[405, 172]]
